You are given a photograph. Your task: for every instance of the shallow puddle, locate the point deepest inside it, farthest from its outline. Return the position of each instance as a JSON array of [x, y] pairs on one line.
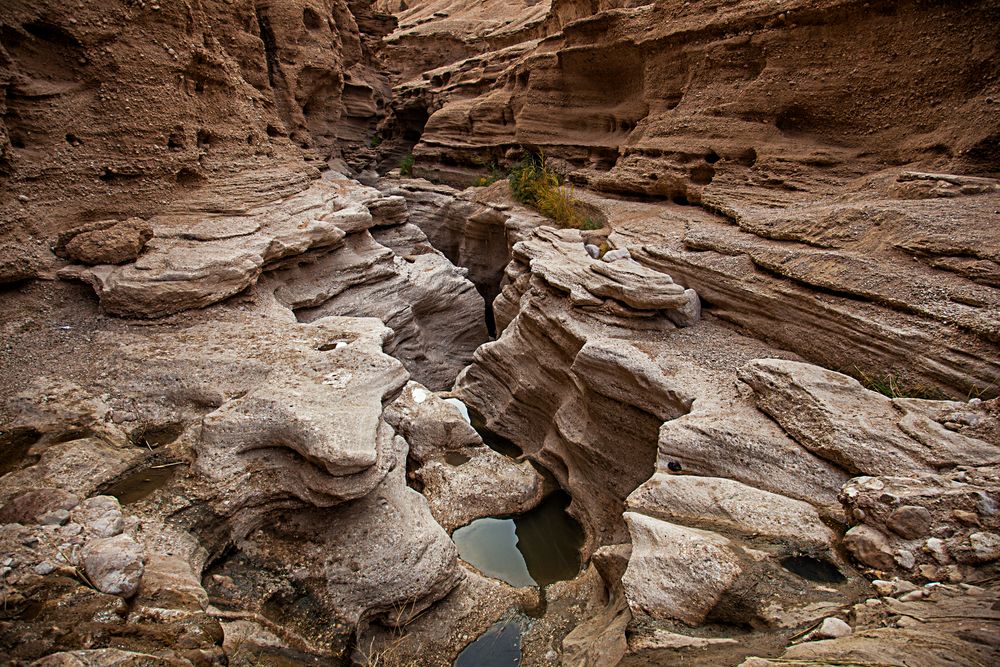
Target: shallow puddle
[[456, 459], [141, 483], [536, 548], [500, 646]]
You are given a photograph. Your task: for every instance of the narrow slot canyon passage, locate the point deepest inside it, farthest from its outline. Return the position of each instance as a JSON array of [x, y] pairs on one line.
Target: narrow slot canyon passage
[[426, 333]]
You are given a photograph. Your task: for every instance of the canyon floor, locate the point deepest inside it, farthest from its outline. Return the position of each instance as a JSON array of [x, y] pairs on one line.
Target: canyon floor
[[291, 373]]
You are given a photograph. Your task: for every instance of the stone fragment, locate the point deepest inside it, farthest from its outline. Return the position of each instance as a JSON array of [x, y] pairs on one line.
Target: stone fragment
[[831, 628], [105, 241], [910, 521], [936, 547], [819, 408], [912, 596], [102, 516], [727, 505], [688, 314], [615, 255], [428, 423], [985, 547], [677, 572], [54, 518], [592, 250], [883, 587], [114, 564], [870, 547]]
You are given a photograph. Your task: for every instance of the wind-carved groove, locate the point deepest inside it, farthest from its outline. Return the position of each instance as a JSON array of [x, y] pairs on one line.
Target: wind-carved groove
[[270, 46]]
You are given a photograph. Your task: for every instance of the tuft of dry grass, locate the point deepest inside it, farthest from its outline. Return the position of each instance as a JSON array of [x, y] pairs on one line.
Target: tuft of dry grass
[[534, 183]]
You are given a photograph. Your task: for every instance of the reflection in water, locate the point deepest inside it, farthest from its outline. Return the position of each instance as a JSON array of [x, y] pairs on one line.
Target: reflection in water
[[536, 548], [490, 545], [550, 540], [460, 406], [500, 646]]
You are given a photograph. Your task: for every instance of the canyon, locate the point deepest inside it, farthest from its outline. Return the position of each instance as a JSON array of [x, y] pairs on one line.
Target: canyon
[[746, 414]]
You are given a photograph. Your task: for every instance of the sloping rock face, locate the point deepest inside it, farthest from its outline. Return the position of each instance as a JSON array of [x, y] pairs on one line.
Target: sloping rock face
[[274, 436], [849, 212]]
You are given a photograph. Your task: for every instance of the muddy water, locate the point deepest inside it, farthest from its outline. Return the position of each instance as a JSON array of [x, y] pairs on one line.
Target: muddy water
[[536, 548], [500, 646], [141, 483]]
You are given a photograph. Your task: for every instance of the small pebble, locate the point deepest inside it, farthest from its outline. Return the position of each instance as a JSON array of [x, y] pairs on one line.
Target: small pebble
[[54, 518], [831, 628], [913, 596]]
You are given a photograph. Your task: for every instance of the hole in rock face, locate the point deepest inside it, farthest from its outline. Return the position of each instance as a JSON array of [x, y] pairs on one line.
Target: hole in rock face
[[14, 446], [272, 131], [205, 139], [712, 157], [499, 646], [156, 435], [72, 139], [312, 19], [702, 174], [141, 483], [747, 158], [176, 141], [109, 175], [794, 119], [680, 200], [813, 569], [51, 33], [536, 548], [188, 176]]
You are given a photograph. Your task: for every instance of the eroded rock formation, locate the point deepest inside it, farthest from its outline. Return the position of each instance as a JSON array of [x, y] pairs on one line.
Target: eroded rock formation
[[249, 384]]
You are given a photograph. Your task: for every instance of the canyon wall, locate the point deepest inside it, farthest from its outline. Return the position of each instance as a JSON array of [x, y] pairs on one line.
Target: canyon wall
[[240, 369], [126, 108]]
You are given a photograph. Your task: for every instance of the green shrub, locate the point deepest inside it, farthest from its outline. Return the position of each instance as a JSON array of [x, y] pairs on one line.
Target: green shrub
[[375, 141], [406, 165], [893, 387], [495, 173]]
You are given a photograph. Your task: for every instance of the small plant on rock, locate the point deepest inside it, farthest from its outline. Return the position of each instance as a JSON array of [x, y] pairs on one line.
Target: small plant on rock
[[893, 387], [406, 165]]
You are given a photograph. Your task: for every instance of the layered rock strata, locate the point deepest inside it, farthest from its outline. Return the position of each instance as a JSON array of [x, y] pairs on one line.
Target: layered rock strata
[[850, 212]]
